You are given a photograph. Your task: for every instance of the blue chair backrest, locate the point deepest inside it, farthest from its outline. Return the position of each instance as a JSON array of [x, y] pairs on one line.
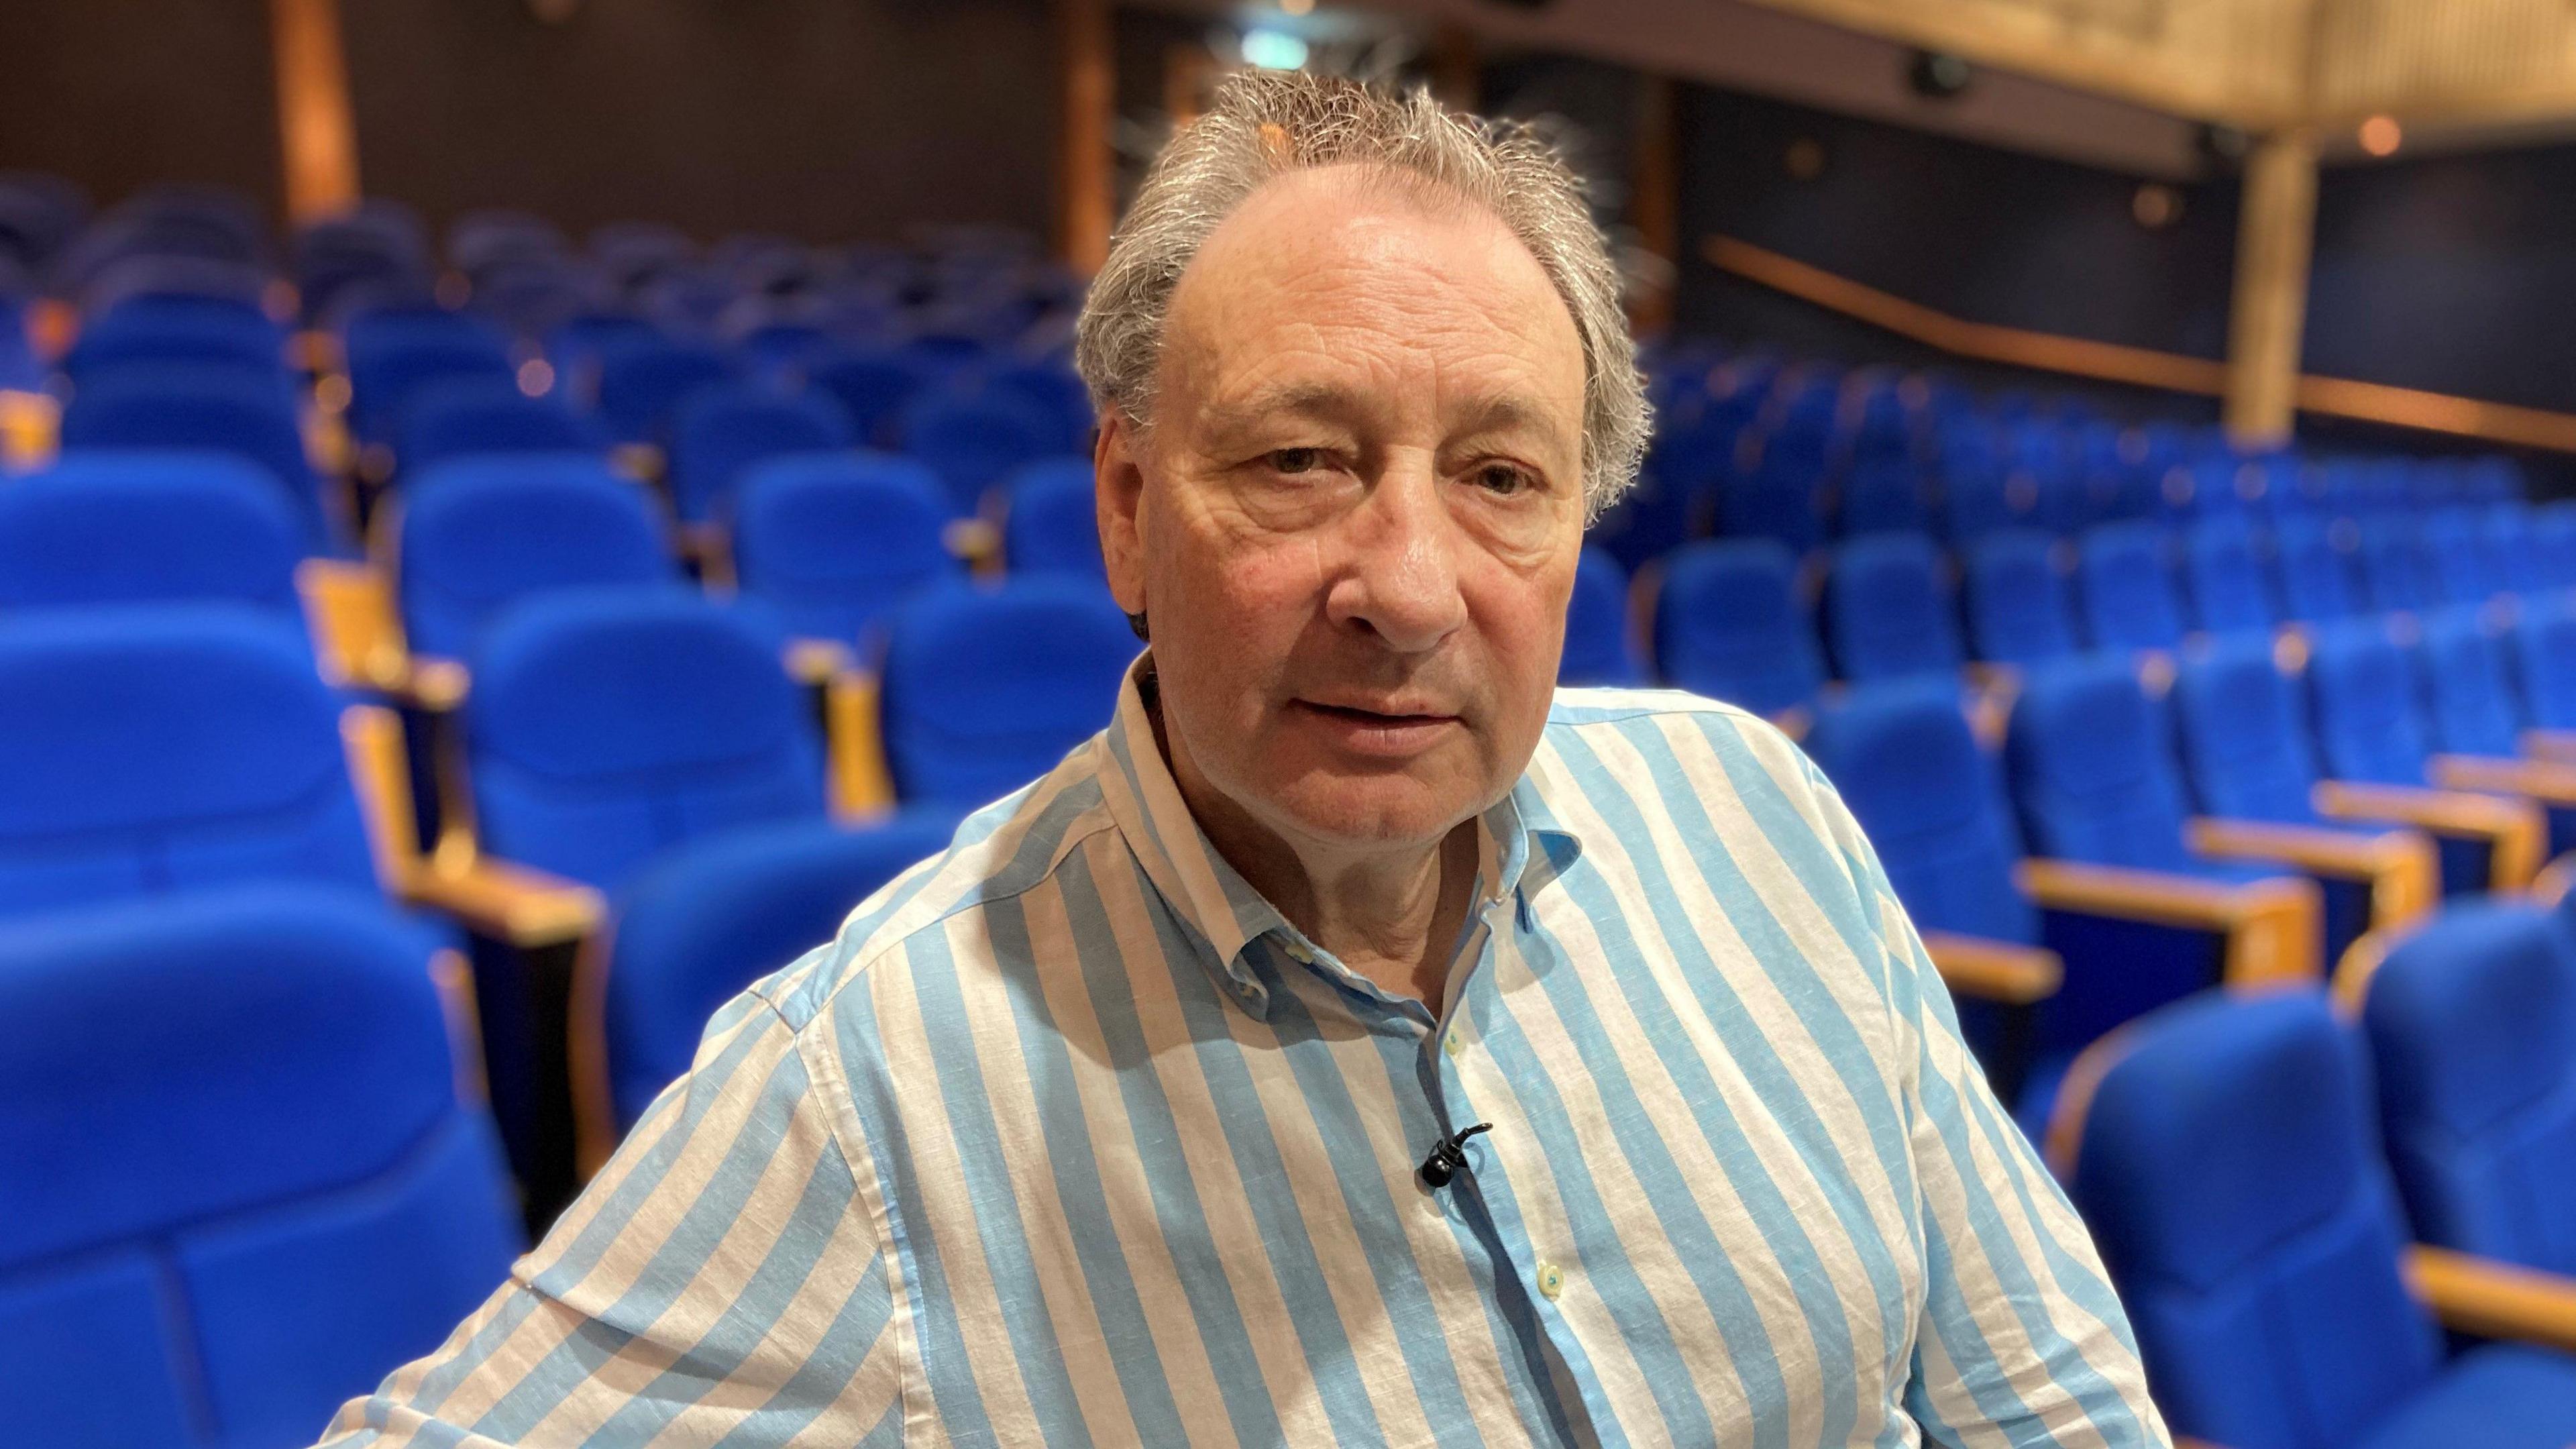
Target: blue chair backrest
[[871, 387], [1888, 610], [1782, 495], [267, 1197], [987, 689], [2228, 1174], [177, 329], [2243, 734], [2468, 687], [456, 416], [2089, 771], [2312, 564], [211, 406], [1729, 624], [478, 534], [833, 541], [2507, 528], [2127, 587], [1054, 389], [2224, 578], [395, 353], [2396, 566], [2553, 540], [973, 442], [710, 917], [1885, 494], [2019, 604], [607, 724], [2472, 1028], [2544, 656], [149, 748], [1902, 757], [106, 527], [724, 428], [2361, 698], [1053, 522], [1600, 645], [2465, 569], [643, 379]]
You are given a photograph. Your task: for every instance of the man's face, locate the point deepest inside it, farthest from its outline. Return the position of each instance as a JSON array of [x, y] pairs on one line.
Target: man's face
[[1354, 522]]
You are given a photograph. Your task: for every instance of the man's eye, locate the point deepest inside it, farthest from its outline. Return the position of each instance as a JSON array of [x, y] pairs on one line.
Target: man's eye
[[1502, 478], [1295, 460]]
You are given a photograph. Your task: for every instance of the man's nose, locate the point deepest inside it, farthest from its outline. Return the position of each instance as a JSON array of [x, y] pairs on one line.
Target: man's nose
[[1401, 582]]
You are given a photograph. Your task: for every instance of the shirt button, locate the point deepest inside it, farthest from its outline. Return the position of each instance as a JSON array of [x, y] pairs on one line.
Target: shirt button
[[1551, 1281], [1451, 1044]]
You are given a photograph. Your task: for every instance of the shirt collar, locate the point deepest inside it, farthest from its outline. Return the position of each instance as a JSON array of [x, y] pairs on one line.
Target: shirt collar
[[1212, 898]]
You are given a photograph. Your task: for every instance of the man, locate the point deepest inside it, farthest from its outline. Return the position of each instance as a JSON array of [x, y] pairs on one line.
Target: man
[[1357, 1043]]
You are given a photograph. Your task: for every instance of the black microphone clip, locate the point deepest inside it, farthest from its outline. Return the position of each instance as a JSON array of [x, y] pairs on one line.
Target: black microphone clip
[[1446, 1157]]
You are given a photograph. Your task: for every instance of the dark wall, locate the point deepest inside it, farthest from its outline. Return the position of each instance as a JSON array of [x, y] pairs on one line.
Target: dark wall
[[826, 119], [1986, 234], [2453, 273], [116, 94]]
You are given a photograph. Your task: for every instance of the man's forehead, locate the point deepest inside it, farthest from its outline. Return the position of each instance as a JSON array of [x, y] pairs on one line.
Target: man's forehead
[[1334, 260]]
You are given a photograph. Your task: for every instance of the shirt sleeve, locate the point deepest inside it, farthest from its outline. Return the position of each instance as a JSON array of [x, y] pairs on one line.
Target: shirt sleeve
[[720, 1282], [2022, 1340]]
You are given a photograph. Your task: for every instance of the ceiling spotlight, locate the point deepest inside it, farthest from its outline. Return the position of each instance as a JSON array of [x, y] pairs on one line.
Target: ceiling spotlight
[[2156, 206], [1273, 50], [2381, 136], [1937, 75]]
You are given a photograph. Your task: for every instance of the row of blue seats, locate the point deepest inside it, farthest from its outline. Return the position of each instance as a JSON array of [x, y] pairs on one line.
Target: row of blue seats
[[1736, 618], [2297, 1197]]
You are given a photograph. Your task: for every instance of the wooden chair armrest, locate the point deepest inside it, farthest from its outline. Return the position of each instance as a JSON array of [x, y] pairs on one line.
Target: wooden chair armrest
[[710, 547], [974, 540], [2550, 744], [1795, 721], [1992, 970], [862, 781], [2551, 782], [2513, 829], [2272, 926], [350, 612], [640, 461], [2494, 1299], [506, 902], [815, 663], [2401, 867]]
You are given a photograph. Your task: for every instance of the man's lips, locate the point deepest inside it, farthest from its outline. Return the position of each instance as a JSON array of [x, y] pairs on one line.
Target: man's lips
[[1386, 733], [1391, 713]]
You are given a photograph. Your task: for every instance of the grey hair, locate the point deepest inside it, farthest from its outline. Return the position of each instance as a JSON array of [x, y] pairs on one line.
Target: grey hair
[[1267, 123]]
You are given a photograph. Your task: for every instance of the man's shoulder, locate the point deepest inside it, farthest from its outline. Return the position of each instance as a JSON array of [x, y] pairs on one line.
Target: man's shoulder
[[1723, 728], [998, 853]]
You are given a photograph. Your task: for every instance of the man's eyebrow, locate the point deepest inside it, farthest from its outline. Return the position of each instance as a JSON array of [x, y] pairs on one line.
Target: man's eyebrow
[[1504, 412]]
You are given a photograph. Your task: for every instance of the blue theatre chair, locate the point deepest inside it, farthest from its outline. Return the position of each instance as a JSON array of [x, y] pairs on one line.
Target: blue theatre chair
[[177, 329], [2473, 718], [2313, 562], [108, 527], [1730, 622], [986, 689], [2466, 569], [2223, 578], [643, 378], [1600, 633], [2363, 704], [475, 535], [830, 542], [455, 417], [723, 428], [2222, 1154], [974, 441], [394, 353], [696, 928], [2397, 572], [277, 1187], [872, 386], [2471, 1020], [2018, 600], [2125, 586], [1051, 521], [217, 407], [1888, 611]]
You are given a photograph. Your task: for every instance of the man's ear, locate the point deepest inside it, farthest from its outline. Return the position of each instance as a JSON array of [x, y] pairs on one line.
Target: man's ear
[[1119, 492]]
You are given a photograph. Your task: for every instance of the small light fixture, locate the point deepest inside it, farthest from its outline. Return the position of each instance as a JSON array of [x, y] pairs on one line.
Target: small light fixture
[[2156, 205], [1273, 50], [2381, 135], [1296, 7], [1805, 159]]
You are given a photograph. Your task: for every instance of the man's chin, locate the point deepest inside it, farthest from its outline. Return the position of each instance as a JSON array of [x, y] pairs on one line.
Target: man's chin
[[1374, 811]]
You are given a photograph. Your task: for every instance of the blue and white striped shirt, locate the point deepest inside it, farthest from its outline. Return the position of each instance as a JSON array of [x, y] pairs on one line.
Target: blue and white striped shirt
[[1071, 1139]]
